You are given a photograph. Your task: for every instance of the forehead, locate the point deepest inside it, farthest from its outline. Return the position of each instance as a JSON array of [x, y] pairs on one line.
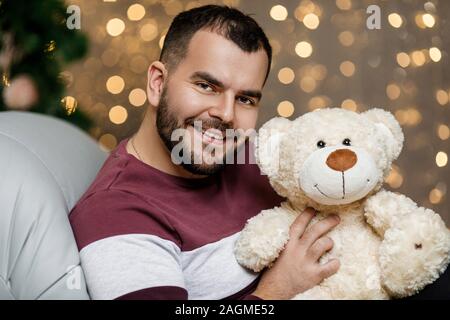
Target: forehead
[[223, 59]]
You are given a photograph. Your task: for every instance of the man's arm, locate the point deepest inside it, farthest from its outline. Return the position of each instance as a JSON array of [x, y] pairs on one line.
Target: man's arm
[[126, 252]]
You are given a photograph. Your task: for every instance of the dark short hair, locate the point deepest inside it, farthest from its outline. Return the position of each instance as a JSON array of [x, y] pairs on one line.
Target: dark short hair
[[231, 23]]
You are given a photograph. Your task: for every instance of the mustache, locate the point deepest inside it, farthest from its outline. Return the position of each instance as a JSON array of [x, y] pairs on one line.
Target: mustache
[[211, 123]]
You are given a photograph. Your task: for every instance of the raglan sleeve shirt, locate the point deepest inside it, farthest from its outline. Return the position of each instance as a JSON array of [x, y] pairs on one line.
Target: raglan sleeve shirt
[[127, 251]]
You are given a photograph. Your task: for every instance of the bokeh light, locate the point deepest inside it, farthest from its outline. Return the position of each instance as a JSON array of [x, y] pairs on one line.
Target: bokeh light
[[278, 13], [118, 114], [285, 109], [115, 84], [115, 27], [303, 49]]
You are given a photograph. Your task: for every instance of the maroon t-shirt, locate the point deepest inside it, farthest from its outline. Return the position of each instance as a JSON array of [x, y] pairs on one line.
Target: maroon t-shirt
[[143, 233]]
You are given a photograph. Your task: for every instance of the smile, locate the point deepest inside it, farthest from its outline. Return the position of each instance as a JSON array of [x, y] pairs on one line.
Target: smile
[[323, 193], [210, 135]]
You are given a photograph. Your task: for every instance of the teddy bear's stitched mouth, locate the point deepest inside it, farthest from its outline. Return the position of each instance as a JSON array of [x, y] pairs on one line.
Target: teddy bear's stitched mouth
[[317, 187]]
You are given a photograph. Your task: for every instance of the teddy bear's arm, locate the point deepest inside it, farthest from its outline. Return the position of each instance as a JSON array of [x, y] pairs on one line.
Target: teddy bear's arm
[[263, 238], [415, 248], [385, 207]]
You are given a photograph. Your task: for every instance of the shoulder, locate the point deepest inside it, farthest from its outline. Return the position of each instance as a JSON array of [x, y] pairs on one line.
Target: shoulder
[[113, 212]]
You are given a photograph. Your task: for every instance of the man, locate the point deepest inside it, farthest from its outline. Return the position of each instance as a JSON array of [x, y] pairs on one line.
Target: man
[[152, 228]]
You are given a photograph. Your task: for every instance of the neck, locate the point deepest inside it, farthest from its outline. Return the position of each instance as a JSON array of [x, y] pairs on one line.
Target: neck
[[151, 149]]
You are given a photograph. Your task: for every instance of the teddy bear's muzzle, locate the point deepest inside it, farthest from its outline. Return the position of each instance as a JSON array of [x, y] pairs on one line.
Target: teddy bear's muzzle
[[337, 175]]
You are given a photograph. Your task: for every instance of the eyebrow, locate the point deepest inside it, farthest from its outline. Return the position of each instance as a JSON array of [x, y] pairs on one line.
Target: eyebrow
[[211, 79]]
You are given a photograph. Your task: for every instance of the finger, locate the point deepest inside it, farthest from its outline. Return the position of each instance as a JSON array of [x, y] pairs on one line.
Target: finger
[[328, 269], [300, 223], [319, 248], [318, 230]]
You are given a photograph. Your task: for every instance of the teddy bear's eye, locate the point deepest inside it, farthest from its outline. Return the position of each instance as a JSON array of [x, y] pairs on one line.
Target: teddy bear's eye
[[321, 144], [347, 142]]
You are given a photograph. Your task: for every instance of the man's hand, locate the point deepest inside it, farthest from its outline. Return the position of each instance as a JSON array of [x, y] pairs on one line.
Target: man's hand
[[297, 269]]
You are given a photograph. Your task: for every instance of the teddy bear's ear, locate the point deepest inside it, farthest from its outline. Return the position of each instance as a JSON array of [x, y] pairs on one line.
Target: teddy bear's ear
[[267, 145], [390, 128]]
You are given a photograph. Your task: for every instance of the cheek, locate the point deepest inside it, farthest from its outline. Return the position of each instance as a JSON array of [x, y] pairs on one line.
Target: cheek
[[186, 102]]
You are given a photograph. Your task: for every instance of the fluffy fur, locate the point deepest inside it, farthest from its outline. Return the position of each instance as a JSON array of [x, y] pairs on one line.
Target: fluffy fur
[[388, 247]]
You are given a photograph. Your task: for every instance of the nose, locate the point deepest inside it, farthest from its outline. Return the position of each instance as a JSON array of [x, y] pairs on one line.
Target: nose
[[342, 160], [224, 110]]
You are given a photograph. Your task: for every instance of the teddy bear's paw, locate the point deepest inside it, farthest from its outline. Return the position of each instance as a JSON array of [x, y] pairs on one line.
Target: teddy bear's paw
[[414, 252], [385, 207], [263, 238]]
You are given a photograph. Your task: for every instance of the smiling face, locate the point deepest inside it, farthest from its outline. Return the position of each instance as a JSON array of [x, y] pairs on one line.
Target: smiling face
[[216, 87], [332, 156]]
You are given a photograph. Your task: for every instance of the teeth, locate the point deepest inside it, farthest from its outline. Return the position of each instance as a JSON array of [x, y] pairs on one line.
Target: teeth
[[213, 135]]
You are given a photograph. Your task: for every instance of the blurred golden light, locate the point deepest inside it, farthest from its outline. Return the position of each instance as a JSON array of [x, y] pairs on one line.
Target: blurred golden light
[[344, 4], [441, 159], [419, 21], [285, 109], [149, 31], [318, 72], [276, 47], [286, 75], [349, 104], [435, 54], [395, 20], [435, 196], [395, 178], [443, 132], [408, 117], [278, 13], [393, 91], [318, 102], [303, 49], [136, 12], [305, 7], [311, 21], [161, 41], [442, 97], [414, 117], [51, 46], [428, 20], [118, 114], [70, 104], [115, 27], [347, 68], [403, 59], [137, 97], [308, 84], [115, 84], [418, 58], [107, 142], [110, 57], [346, 38]]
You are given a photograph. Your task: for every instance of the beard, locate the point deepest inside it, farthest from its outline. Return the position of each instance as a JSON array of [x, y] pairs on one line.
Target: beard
[[167, 122]]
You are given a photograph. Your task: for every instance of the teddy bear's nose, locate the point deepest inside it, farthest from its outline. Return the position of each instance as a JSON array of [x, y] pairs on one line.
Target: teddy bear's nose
[[341, 159]]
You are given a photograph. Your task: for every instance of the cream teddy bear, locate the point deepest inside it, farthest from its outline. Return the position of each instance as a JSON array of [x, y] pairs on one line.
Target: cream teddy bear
[[335, 161]]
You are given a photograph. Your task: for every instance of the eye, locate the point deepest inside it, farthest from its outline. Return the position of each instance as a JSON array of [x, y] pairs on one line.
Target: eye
[[321, 144], [204, 86], [347, 142], [246, 101]]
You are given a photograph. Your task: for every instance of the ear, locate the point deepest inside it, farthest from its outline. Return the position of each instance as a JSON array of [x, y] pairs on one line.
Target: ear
[[390, 128], [157, 74], [267, 145]]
